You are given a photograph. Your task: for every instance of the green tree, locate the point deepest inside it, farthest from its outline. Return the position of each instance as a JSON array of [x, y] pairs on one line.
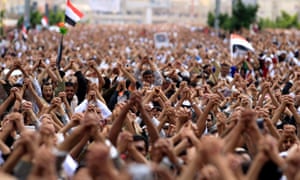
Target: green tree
[[36, 16], [242, 17], [2, 12], [224, 19], [284, 21], [56, 17], [35, 19]]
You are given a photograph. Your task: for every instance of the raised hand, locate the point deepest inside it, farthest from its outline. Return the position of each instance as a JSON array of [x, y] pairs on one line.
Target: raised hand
[[124, 140]]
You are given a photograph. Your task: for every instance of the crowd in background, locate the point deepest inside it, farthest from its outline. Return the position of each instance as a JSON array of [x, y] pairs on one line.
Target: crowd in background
[[115, 107]]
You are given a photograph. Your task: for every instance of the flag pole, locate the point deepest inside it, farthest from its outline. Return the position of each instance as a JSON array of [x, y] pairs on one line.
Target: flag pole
[[60, 50], [63, 30]]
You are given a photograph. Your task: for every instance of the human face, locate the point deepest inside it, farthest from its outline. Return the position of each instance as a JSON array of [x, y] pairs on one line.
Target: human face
[[140, 146], [70, 92], [47, 92], [287, 142], [225, 69], [148, 78], [209, 122]]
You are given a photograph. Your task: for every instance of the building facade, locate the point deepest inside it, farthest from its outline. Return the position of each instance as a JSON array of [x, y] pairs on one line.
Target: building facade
[[171, 11]]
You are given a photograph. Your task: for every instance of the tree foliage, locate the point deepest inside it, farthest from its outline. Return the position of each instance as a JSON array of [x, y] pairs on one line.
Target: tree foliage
[[242, 17], [285, 21], [36, 17], [56, 17]]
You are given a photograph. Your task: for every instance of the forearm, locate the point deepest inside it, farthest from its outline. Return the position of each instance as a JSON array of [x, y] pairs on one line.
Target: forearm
[[5, 132], [222, 165], [5, 104], [295, 113], [57, 121], [191, 169], [196, 109], [148, 98], [174, 97], [100, 79], [183, 145], [4, 148], [137, 156], [128, 75], [38, 100], [12, 160], [17, 106], [256, 166], [274, 101], [153, 133], [202, 119], [161, 124], [232, 139], [72, 140], [52, 75], [272, 129], [78, 147], [261, 99], [66, 128], [277, 113], [117, 125], [68, 108]]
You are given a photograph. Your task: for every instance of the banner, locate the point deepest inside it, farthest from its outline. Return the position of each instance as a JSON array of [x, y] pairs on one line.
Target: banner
[[106, 5], [161, 40]]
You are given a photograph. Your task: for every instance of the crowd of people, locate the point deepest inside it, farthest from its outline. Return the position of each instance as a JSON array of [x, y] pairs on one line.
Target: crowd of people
[[115, 107]]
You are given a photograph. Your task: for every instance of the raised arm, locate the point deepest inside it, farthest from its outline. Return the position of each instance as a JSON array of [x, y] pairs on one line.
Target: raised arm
[[153, 132], [118, 123], [40, 103], [201, 121]]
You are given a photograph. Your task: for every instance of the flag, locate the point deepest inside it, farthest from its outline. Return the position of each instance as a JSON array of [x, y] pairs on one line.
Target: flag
[[72, 15], [239, 44], [59, 52], [44, 21], [24, 32]]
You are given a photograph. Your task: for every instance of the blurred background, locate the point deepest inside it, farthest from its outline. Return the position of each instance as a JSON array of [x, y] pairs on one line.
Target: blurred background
[[201, 12]]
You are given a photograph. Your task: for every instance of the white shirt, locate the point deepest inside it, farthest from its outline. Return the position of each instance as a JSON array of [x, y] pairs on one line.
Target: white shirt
[[104, 109]]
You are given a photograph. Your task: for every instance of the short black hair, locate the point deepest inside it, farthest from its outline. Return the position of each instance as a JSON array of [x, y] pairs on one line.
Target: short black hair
[[141, 138], [147, 72], [45, 83], [69, 84]]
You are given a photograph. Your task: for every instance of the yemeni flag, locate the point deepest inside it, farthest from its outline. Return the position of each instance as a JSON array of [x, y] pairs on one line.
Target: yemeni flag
[[72, 15], [24, 32], [44, 21], [239, 45]]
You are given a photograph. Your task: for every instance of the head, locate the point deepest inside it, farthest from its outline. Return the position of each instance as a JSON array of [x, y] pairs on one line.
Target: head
[[225, 69], [47, 91], [207, 69], [148, 76], [288, 136], [69, 90], [141, 144], [209, 121]]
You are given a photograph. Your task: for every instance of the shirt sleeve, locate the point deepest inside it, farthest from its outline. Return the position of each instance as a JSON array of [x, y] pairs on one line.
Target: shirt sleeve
[[104, 109], [81, 107]]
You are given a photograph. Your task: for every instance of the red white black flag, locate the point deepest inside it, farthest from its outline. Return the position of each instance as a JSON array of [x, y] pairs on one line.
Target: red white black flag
[[72, 15]]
